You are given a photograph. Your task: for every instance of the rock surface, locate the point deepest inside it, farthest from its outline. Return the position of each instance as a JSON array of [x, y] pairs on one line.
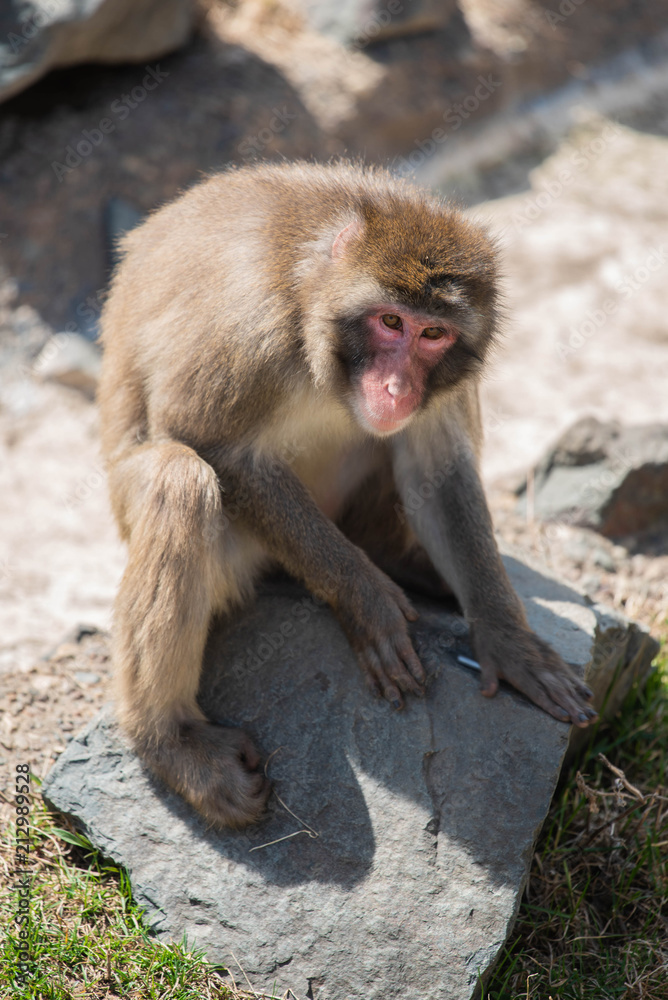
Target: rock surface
[[605, 476], [409, 834], [38, 37]]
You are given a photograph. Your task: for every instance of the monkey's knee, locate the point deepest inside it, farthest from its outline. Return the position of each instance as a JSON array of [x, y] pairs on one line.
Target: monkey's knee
[[163, 488], [215, 769]]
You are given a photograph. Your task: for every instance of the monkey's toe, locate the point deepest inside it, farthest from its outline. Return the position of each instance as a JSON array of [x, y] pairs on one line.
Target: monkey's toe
[[232, 790], [217, 771], [564, 691], [555, 691]]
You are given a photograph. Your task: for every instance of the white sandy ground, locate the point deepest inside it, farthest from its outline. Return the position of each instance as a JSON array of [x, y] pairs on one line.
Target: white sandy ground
[[591, 271], [600, 242]]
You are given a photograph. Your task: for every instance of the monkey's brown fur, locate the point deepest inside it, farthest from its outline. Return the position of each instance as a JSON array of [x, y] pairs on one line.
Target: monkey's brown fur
[[237, 340]]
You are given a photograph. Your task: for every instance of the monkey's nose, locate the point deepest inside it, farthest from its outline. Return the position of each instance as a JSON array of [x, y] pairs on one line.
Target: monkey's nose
[[398, 388]]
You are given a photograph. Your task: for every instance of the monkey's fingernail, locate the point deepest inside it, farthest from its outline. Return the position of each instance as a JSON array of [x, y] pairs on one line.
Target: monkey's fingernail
[[583, 717], [396, 703], [588, 693]]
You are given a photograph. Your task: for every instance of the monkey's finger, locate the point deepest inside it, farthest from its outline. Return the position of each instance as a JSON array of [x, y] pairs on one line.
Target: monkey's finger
[[249, 756], [489, 679], [405, 606], [372, 684], [378, 679], [412, 662], [405, 680], [390, 684], [398, 660]]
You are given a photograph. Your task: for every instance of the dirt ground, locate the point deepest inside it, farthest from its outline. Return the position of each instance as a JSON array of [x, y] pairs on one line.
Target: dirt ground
[[586, 261]]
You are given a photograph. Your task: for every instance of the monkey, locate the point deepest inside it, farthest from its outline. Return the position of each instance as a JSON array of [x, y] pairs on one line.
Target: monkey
[[290, 353]]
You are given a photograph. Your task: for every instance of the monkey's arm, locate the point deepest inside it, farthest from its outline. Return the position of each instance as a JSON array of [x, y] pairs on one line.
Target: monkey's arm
[[437, 477], [373, 611]]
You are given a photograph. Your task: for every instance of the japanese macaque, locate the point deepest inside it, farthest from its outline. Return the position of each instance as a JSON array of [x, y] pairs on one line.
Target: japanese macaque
[[301, 344]]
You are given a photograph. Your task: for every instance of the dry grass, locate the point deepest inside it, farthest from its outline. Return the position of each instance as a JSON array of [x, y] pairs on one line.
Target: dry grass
[[593, 924]]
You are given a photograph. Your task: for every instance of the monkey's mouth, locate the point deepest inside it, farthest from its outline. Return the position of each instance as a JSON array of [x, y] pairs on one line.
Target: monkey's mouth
[[383, 419]]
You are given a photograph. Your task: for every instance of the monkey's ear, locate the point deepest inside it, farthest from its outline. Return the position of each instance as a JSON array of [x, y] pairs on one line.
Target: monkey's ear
[[345, 237]]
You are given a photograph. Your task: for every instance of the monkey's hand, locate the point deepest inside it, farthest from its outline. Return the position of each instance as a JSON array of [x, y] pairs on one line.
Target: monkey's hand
[[216, 769], [374, 613], [515, 654]]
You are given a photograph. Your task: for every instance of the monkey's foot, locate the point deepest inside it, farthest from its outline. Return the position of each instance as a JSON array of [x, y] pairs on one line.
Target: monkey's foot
[[215, 769], [532, 666]]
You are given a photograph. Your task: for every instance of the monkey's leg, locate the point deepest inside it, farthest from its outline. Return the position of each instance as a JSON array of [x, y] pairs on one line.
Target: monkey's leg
[[168, 502], [456, 529]]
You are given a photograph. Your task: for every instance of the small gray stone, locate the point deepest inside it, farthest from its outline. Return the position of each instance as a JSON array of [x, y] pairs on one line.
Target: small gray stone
[[410, 833], [86, 677], [590, 583], [604, 560]]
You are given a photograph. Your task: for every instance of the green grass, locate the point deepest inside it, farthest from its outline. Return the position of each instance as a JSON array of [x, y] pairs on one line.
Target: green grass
[[88, 940], [593, 924]]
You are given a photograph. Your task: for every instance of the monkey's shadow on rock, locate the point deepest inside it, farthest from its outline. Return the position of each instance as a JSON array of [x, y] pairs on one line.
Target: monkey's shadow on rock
[[478, 771], [285, 673]]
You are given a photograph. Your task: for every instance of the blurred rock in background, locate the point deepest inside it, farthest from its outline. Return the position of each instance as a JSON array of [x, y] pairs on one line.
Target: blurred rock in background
[[36, 37], [603, 476]]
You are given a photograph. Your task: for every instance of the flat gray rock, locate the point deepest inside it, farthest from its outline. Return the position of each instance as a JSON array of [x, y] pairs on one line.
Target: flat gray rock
[[393, 863]]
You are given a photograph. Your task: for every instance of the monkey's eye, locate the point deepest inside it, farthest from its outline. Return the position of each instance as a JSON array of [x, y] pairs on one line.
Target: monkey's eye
[[433, 333], [392, 321]]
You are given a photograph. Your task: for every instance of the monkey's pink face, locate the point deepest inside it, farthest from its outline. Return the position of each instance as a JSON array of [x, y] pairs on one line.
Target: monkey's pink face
[[404, 347]]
